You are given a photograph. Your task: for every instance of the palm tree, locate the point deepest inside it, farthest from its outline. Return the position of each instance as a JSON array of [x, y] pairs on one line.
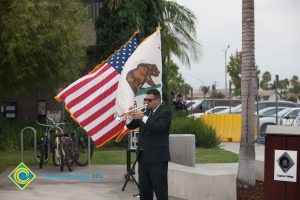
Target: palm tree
[[283, 85], [205, 90], [246, 169], [266, 78], [294, 80], [179, 32], [178, 28]]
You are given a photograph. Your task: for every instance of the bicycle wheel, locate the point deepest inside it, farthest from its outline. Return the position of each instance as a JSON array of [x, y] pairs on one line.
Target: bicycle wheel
[[42, 153], [81, 156], [61, 156], [67, 144], [56, 154]]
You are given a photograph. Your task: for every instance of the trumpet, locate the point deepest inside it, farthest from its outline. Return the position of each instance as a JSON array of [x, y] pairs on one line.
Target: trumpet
[[125, 115]]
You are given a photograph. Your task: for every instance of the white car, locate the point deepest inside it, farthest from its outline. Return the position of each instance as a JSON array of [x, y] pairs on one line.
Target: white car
[[210, 111], [261, 105], [191, 105], [269, 112], [285, 117], [234, 110], [297, 120], [216, 109]]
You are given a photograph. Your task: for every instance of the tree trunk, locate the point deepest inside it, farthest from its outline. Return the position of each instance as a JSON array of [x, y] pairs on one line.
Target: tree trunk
[[246, 170]]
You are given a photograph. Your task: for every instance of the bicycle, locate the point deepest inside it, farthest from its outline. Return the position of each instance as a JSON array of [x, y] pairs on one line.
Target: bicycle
[[59, 154], [78, 151]]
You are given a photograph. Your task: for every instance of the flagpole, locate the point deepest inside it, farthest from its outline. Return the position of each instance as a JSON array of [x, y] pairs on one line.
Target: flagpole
[[158, 28]]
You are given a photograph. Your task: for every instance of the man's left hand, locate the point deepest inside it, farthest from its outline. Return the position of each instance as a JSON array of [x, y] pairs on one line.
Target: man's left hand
[[138, 115]]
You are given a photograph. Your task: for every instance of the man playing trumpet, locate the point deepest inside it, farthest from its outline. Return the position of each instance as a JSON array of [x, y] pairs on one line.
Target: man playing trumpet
[[153, 146]]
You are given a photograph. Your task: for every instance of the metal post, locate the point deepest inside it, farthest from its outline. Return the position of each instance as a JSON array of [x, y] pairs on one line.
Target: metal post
[[226, 70], [276, 93], [89, 151], [257, 110], [229, 97]]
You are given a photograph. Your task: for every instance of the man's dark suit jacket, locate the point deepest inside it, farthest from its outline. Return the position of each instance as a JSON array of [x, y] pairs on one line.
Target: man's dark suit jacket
[[154, 136]]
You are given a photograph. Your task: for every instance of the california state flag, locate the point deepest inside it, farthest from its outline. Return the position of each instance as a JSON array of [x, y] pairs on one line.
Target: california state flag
[[141, 73]]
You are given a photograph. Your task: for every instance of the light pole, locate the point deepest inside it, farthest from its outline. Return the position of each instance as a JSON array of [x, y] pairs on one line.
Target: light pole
[[198, 79], [225, 51]]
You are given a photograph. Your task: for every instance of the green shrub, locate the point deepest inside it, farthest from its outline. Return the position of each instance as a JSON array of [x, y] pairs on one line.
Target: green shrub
[[10, 135], [205, 135]]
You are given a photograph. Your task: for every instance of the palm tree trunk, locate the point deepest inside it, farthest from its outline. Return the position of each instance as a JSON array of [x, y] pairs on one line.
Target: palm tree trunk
[[246, 170]]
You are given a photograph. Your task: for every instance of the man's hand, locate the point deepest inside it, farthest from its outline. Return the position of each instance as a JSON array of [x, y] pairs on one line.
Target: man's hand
[[138, 115]]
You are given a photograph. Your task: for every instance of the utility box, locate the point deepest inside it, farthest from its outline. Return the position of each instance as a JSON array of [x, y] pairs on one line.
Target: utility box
[[9, 110], [282, 163]]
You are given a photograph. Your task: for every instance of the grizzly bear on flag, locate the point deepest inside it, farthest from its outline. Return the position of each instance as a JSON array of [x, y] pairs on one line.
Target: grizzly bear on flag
[[141, 75]]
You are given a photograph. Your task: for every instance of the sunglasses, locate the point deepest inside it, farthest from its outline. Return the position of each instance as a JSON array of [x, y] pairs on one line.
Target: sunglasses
[[149, 100]]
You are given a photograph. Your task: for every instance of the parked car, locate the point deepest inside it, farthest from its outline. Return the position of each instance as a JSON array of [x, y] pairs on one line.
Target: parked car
[[268, 112], [285, 117], [210, 111], [192, 104], [216, 109], [261, 105], [200, 106]]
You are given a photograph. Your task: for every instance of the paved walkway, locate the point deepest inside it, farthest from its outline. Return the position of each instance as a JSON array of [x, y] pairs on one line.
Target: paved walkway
[[104, 183], [235, 147]]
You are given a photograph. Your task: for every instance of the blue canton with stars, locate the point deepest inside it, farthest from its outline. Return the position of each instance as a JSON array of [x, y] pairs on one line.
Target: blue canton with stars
[[119, 59]]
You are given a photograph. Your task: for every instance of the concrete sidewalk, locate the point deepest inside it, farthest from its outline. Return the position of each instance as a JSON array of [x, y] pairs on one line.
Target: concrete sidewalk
[[235, 147], [105, 182]]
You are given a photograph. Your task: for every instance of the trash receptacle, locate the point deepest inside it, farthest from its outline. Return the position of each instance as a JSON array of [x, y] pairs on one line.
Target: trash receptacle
[[282, 174]]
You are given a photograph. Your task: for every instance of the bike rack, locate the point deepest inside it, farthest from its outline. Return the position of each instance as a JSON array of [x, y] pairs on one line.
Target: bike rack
[[22, 143], [35, 144], [89, 151]]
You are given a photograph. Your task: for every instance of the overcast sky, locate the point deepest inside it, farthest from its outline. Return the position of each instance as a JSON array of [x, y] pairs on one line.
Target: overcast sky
[[277, 42]]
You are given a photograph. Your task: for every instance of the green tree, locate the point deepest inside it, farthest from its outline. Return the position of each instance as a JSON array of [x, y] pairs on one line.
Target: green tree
[[283, 85], [41, 44], [265, 79], [205, 90], [295, 84], [119, 19], [179, 35], [115, 26], [174, 78], [234, 71], [246, 169], [294, 80], [186, 89]]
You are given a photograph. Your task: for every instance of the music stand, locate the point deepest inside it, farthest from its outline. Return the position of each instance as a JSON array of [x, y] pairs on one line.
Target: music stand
[[131, 173], [132, 146]]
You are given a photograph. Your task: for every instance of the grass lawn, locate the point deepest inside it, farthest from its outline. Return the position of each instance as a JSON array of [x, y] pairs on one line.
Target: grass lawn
[[215, 155], [203, 155]]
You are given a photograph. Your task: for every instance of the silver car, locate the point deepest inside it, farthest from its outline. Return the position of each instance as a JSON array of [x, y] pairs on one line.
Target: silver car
[[285, 117]]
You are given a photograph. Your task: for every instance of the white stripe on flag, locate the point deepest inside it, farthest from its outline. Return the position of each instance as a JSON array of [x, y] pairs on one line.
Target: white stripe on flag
[[95, 108], [93, 96], [106, 129], [100, 119], [80, 80], [86, 87]]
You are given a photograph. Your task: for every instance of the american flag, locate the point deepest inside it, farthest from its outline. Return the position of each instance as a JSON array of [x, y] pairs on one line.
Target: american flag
[[91, 99]]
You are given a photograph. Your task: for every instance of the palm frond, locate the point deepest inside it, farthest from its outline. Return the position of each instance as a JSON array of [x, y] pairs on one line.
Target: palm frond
[[179, 32]]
